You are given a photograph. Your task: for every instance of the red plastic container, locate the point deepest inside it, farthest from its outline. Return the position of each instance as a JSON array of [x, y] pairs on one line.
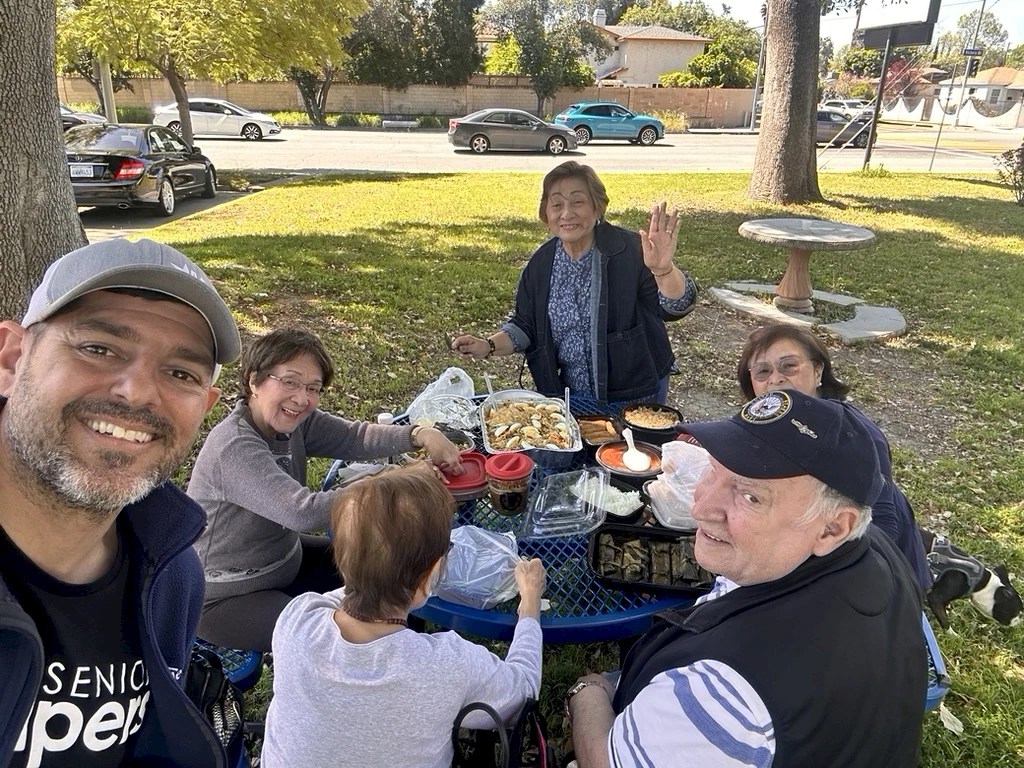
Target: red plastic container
[[508, 479], [472, 483]]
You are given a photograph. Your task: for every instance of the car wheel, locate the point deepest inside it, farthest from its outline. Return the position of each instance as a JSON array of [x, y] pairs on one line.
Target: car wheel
[[210, 188], [647, 136], [556, 145], [479, 144], [165, 202], [861, 139], [175, 126], [252, 132], [583, 135]]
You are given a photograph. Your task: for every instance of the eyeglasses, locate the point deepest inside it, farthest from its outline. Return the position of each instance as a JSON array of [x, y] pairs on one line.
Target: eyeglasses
[[294, 385], [787, 366]]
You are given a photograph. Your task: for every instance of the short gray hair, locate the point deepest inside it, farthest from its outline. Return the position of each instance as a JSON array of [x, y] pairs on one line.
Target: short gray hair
[[826, 504]]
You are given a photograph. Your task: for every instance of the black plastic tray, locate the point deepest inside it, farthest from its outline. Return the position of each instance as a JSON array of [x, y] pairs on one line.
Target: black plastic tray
[[648, 533]]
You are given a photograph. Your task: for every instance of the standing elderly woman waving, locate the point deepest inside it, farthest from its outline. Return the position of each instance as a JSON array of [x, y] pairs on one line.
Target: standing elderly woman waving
[[592, 301]]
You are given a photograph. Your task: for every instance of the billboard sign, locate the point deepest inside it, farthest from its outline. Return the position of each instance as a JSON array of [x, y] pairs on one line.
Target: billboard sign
[[891, 13]]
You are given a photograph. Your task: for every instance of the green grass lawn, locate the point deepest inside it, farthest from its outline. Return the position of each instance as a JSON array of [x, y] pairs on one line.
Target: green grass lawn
[[380, 266]]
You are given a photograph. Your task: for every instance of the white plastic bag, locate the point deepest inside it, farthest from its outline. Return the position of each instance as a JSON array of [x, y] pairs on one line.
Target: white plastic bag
[[447, 399], [671, 494], [480, 570]]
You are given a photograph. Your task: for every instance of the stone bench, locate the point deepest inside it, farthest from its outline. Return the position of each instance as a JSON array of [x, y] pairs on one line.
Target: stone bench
[[399, 124]]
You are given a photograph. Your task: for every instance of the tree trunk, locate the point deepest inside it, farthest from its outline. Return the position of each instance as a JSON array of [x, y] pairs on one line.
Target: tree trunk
[[38, 217], [170, 71], [324, 91], [785, 166]]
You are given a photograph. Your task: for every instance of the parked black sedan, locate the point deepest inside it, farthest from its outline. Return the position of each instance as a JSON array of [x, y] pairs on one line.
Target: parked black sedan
[[150, 167], [509, 129], [69, 118]]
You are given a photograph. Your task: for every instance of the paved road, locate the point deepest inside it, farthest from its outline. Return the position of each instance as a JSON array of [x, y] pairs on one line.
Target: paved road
[[898, 148]]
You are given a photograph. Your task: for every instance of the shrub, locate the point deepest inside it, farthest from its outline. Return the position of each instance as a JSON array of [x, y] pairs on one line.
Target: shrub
[[84, 106], [429, 121], [675, 121], [1010, 171], [128, 114], [290, 117], [358, 120]]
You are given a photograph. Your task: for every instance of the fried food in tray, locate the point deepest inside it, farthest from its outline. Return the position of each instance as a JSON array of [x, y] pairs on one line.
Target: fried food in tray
[[515, 425], [639, 560], [597, 430]]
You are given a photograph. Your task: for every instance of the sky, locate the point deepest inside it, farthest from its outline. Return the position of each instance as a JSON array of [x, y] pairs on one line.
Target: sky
[[839, 25]]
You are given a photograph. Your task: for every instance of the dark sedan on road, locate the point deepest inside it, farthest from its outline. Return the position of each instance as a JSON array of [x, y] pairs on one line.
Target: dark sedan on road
[[150, 167], [835, 128], [508, 129]]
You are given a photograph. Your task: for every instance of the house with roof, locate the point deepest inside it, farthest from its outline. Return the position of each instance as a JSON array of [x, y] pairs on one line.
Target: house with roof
[[641, 53], [997, 87]]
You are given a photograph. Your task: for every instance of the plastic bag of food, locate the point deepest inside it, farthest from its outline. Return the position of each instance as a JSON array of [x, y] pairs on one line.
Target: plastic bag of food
[[682, 464], [480, 570], [446, 396], [567, 504]]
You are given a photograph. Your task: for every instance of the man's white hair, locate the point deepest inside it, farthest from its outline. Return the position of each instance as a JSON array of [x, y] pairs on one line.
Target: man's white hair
[[826, 504]]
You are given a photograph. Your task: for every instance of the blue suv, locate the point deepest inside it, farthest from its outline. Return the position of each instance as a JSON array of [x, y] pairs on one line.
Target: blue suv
[[610, 120]]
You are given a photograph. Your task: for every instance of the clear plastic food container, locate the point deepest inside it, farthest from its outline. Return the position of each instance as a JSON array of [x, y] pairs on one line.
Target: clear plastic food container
[[568, 504]]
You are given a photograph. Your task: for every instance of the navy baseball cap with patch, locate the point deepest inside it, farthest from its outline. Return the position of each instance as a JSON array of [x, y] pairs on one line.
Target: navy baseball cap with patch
[[144, 265], [786, 434]]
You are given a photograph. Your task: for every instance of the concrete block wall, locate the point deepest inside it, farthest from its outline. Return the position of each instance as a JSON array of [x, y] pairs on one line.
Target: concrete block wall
[[706, 107]]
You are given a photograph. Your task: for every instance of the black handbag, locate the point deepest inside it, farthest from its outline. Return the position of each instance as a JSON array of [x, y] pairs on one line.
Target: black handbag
[[524, 745], [209, 688]]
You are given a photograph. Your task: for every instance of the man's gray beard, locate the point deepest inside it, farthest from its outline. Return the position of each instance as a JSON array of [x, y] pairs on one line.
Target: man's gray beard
[[46, 466]]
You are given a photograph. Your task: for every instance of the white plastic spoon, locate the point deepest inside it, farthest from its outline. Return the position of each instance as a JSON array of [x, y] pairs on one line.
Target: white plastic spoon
[[635, 461]]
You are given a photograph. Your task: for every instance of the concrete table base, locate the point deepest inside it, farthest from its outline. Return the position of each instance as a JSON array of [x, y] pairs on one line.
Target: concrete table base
[[870, 323], [793, 292]]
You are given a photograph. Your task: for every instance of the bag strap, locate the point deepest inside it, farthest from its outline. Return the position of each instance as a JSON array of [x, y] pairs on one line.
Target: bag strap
[[499, 727]]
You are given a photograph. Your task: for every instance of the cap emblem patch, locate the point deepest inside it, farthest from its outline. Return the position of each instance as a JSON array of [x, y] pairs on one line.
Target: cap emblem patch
[[766, 408]]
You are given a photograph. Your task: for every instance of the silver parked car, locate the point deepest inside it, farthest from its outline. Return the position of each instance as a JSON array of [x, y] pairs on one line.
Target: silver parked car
[[836, 128], [509, 129], [216, 117], [850, 107]]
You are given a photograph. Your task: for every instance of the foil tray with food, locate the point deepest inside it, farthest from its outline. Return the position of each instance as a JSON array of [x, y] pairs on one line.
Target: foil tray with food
[[647, 559], [520, 420]]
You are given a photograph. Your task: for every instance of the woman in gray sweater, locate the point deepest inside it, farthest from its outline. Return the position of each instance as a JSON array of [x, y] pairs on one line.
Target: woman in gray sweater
[[250, 477]]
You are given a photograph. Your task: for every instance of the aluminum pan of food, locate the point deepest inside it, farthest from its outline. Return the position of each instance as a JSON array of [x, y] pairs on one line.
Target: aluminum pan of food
[[520, 420]]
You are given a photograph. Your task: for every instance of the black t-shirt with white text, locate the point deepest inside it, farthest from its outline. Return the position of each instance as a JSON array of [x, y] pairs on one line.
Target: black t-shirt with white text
[[95, 686]]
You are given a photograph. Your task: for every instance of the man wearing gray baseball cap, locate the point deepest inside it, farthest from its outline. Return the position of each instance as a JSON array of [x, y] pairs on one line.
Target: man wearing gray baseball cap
[[103, 387]]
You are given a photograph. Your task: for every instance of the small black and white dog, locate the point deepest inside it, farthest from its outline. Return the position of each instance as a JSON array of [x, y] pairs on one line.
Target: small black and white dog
[[957, 574]]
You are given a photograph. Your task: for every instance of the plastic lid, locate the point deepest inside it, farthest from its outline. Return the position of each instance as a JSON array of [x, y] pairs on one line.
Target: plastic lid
[[385, 418], [473, 477], [509, 466]]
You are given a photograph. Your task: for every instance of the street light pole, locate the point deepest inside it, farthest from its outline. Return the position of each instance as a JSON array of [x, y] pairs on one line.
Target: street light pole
[[760, 66], [970, 60]]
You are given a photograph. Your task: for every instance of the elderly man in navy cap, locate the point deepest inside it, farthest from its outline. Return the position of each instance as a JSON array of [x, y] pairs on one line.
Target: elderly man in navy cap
[[103, 386], [809, 651]]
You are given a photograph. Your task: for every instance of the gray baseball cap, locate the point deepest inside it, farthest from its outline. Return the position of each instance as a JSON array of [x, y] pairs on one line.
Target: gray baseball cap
[[145, 265]]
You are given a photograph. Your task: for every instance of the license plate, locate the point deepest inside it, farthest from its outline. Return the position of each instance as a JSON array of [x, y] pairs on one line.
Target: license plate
[[80, 171]]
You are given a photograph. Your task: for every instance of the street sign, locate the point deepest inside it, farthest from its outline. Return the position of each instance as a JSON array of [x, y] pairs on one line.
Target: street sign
[[972, 51]]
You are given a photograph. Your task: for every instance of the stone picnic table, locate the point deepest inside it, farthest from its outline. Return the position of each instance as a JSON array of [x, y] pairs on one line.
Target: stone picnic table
[[802, 236]]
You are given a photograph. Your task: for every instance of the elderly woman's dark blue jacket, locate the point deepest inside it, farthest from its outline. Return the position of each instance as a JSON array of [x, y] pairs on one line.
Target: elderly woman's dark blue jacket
[[632, 353]]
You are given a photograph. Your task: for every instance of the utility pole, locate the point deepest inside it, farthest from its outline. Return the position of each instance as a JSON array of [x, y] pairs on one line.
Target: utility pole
[[967, 69], [107, 86], [873, 127], [760, 66]]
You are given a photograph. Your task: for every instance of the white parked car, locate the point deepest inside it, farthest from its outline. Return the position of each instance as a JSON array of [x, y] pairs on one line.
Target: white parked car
[[216, 117], [852, 108]]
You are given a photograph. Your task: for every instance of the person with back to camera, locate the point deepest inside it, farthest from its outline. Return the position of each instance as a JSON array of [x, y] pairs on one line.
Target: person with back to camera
[[353, 686], [592, 301], [782, 355], [250, 477]]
